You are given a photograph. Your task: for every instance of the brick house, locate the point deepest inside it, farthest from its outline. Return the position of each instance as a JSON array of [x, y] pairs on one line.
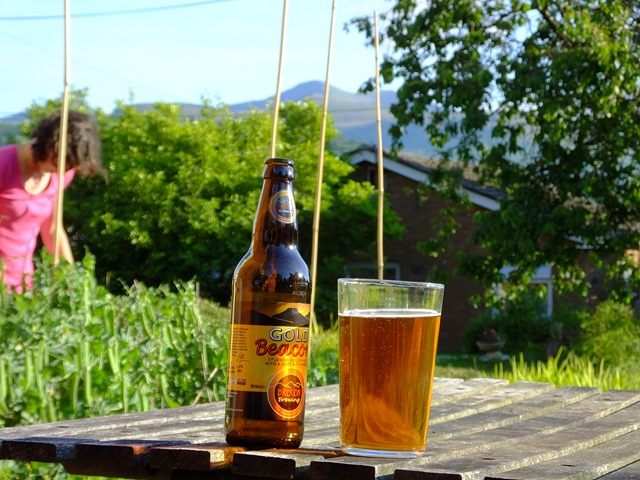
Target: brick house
[[403, 176]]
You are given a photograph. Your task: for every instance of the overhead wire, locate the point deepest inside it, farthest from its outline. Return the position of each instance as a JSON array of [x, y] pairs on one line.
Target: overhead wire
[[128, 12], [86, 65], [100, 14], [113, 12]]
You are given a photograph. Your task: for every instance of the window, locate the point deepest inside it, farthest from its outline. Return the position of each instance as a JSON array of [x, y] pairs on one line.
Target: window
[[372, 175], [541, 277]]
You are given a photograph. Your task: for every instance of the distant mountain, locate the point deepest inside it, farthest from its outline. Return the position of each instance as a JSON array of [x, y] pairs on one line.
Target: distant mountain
[[353, 114], [15, 118], [359, 105]]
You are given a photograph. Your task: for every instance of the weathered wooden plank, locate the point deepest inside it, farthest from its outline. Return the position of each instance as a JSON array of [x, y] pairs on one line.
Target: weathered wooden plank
[[213, 412], [537, 405], [279, 464], [199, 458], [316, 432], [446, 447], [453, 392], [140, 471], [48, 449], [61, 446], [629, 472], [318, 397], [354, 468], [197, 424], [324, 398], [489, 400], [587, 410], [531, 449], [322, 417], [108, 459], [323, 428], [124, 452], [439, 382], [513, 413], [479, 428], [590, 463]]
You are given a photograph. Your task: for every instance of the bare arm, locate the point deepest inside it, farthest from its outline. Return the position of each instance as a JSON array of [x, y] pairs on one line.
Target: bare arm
[[47, 234]]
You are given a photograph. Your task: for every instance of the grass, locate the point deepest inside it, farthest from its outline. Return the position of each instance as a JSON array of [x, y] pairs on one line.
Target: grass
[[564, 369], [462, 366]]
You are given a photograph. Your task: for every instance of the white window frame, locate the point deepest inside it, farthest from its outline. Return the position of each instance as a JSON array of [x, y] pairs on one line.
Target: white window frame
[[542, 276]]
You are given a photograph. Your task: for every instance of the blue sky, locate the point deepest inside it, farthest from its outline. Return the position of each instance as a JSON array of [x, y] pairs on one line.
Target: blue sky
[[177, 50]]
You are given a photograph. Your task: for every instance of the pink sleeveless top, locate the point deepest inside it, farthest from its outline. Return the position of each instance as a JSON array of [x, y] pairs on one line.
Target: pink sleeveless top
[[21, 216]]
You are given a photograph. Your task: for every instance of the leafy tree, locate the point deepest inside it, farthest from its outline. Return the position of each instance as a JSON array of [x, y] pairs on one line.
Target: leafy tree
[[541, 98], [181, 197], [8, 131]]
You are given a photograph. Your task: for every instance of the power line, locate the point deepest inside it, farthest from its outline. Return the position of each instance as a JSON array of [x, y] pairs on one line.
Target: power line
[[113, 13]]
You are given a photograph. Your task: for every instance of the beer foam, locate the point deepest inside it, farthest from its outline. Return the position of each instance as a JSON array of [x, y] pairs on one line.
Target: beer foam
[[390, 312]]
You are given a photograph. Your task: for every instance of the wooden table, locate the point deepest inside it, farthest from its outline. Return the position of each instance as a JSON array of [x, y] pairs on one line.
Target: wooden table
[[480, 428]]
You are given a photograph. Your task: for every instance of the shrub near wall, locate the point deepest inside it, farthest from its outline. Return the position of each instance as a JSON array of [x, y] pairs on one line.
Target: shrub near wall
[[70, 349], [523, 326], [611, 335]]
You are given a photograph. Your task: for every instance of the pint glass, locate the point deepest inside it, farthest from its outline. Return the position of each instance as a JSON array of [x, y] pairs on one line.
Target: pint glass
[[388, 339]]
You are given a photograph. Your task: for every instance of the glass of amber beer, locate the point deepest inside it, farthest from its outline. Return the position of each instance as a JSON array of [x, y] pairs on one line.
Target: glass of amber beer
[[388, 339]]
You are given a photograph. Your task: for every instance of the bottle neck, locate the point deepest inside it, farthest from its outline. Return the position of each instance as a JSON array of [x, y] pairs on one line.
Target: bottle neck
[[275, 223]]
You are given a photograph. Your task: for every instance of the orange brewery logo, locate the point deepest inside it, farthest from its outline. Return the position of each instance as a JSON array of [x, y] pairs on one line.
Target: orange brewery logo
[[286, 393]]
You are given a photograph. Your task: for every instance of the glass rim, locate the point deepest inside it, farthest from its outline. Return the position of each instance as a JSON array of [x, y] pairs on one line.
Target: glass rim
[[391, 283]]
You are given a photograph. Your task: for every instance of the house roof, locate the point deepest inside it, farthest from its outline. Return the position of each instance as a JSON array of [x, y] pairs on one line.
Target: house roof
[[418, 168]]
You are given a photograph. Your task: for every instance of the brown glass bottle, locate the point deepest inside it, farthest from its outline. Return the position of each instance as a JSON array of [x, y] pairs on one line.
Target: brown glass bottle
[[269, 346]]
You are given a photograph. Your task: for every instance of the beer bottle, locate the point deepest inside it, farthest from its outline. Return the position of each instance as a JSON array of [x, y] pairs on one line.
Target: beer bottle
[[269, 343]]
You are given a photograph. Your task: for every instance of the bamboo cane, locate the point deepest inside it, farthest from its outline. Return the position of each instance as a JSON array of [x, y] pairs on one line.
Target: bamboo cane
[[323, 135], [62, 148], [380, 157], [276, 101]]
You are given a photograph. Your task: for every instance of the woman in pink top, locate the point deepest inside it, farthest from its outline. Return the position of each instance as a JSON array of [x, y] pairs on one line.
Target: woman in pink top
[[28, 186]]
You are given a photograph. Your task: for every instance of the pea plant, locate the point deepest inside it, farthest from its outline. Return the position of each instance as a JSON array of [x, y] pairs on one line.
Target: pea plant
[[70, 349]]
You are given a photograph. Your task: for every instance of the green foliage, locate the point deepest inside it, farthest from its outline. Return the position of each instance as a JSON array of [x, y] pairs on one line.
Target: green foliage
[[182, 193], [522, 324], [70, 349], [566, 323], [611, 335], [605, 345], [8, 132], [323, 360], [555, 85], [568, 370], [36, 111]]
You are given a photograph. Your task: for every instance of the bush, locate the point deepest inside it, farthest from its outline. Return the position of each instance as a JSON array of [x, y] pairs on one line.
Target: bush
[[611, 335], [324, 357], [565, 327], [523, 326]]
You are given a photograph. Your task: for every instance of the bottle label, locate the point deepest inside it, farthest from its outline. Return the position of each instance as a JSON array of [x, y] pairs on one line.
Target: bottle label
[[272, 359], [282, 207]]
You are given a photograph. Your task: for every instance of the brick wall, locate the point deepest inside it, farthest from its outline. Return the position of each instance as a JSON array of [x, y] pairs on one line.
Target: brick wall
[[417, 218]]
